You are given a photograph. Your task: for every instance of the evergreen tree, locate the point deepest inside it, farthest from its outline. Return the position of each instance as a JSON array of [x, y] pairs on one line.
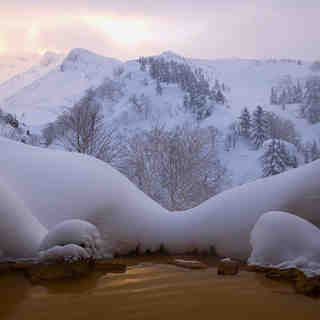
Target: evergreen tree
[[276, 159], [310, 108], [273, 97], [220, 98], [245, 123], [259, 127], [159, 88], [314, 151]]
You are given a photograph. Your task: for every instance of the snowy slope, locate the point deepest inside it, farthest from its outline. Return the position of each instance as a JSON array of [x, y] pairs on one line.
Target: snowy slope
[[48, 62], [249, 83], [42, 99], [13, 65], [58, 186]]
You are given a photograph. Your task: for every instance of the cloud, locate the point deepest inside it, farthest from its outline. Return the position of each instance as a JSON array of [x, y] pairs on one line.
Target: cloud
[[127, 29]]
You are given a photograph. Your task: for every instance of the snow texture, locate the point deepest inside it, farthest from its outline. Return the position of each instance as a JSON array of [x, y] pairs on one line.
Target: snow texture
[[81, 233], [282, 240], [51, 187], [20, 232], [68, 253]]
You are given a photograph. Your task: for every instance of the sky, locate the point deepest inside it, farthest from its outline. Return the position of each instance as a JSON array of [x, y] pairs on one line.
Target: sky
[[127, 29]]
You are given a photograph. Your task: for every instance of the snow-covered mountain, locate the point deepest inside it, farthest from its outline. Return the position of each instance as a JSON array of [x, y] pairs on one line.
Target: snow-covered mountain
[[41, 92], [48, 62], [13, 65]]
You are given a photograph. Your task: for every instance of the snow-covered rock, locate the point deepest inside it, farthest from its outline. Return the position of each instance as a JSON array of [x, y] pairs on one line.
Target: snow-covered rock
[[77, 232], [283, 240], [68, 253]]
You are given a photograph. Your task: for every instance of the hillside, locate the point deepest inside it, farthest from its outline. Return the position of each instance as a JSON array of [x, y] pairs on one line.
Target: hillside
[[54, 86], [132, 101]]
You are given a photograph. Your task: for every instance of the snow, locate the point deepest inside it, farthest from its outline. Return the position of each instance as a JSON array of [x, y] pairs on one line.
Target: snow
[[81, 233], [13, 65], [51, 187], [282, 240], [226, 220], [69, 253], [20, 232], [41, 100], [48, 62], [58, 186], [38, 96]]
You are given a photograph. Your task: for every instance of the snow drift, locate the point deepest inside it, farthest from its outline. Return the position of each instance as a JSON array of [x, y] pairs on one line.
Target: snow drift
[[52, 187], [226, 220], [20, 231], [280, 239]]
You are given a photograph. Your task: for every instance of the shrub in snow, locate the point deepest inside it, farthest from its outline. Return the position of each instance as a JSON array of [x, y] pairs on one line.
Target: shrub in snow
[[81, 233], [284, 240]]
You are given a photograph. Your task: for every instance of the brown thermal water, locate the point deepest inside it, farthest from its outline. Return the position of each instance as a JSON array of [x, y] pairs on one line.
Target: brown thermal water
[[155, 292]]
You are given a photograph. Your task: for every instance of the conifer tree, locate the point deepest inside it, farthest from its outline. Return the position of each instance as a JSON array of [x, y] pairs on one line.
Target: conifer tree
[[259, 127], [276, 159], [245, 123]]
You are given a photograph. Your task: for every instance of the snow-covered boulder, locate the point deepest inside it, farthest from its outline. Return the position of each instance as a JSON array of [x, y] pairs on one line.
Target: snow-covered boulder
[[76, 232], [283, 240], [67, 253]]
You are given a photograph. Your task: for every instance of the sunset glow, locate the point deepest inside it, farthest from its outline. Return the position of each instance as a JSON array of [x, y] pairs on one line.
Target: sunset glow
[[122, 30]]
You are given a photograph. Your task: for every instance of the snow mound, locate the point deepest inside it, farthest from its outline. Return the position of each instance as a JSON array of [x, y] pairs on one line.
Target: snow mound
[[226, 220], [84, 188], [282, 240], [68, 253], [20, 232], [77, 232]]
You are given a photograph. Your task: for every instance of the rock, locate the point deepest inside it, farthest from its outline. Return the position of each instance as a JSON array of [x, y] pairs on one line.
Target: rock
[[47, 272], [284, 274], [228, 267], [255, 268], [308, 286], [189, 264]]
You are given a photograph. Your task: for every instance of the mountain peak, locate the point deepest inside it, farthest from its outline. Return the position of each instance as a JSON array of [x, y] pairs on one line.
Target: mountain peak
[[81, 58], [49, 58], [171, 55]]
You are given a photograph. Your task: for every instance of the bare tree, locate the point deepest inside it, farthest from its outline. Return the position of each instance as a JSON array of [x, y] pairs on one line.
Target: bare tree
[[82, 129], [178, 168]]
